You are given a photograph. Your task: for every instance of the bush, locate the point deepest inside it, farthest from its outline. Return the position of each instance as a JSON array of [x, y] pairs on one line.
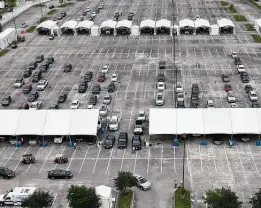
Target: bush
[[255, 4], [240, 18], [250, 27], [3, 52], [181, 202], [66, 4], [11, 3], [224, 3], [256, 38], [232, 9], [124, 201], [31, 29], [51, 12]]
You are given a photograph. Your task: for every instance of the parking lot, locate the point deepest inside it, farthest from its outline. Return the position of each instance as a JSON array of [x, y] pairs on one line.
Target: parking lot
[[135, 60]]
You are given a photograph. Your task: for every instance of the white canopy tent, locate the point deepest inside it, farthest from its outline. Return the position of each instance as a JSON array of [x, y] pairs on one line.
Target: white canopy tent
[[31, 122], [48, 25], [124, 23], [84, 26], [109, 24], [147, 23], [105, 194], [84, 122], [9, 121], [95, 30], [57, 122], [186, 23], [135, 30], [225, 22], [258, 25], [201, 23], [164, 26], [71, 24]]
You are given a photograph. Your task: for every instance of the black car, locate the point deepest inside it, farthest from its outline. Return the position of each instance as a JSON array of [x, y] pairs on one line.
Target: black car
[[33, 95], [44, 67], [117, 14], [255, 104], [37, 75], [129, 17], [32, 65], [96, 88], [123, 140], [6, 173], [88, 76], [161, 77], [67, 67], [109, 142], [84, 13], [136, 142], [62, 97], [194, 100], [6, 100], [244, 77], [24, 106], [14, 45], [248, 88], [51, 6], [27, 88], [39, 58], [58, 174], [237, 61], [27, 73], [63, 13], [93, 100], [10, 9], [82, 87], [54, 106], [111, 87], [162, 64], [50, 60], [225, 78]]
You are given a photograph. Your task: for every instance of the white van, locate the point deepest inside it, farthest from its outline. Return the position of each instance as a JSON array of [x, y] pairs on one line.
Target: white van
[[58, 139], [16, 196]]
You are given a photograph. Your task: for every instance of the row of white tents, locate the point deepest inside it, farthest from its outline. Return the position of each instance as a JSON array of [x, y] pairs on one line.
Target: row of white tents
[[258, 25], [146, 26]]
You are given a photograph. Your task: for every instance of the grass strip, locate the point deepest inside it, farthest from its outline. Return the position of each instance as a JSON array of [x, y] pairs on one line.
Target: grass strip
[[224, 3], [255, 4], [124, 201], [240, 18], [51, 12], [256, 38], [3, 52], [182, 201], [250, 27], [31, 29]]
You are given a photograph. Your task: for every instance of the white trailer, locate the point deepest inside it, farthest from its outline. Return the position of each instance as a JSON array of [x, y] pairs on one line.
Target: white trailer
[[2, 4], [7, 37], [16, 196]]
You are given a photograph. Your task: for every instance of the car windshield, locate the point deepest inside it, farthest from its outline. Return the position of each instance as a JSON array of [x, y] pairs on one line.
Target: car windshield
[[103, 108], [74, 103], [18, 81], [141, 115], [5, 99], [159, 97], [33, 105], [113, 122], [143, 180], [136, 142], [180, 95], [107, 98]]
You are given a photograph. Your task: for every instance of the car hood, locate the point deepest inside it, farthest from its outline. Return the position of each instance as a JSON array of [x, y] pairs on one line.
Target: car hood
[[5, 101], [146, 184]]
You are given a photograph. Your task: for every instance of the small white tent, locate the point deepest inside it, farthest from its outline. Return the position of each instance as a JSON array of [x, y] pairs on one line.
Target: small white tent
[[186, 26], [95, 31], [258, 25], [47, 27], [135, 30], [214, 30], [105, 193], [124, 27]]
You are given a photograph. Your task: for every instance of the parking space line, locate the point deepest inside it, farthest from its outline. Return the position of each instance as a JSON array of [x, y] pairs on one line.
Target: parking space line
[[161, 160], [148, 161], [211, 146], [135, 162], [240, 159], [10, 157], [108, 166], [31, 163], [122, 159], [130, 120], [46, 159], [72, 158], [2, 150], [127, 90], [55, 196], [200, 159], [21, 158], [96, 160], [84, 159], [253, 159], [228, 163]]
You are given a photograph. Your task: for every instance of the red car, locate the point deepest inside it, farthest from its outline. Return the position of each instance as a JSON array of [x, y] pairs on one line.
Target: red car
[[101, 77], [228, 87]]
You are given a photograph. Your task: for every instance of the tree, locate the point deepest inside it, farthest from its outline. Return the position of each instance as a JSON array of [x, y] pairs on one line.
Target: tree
[[256, 199], [61, 2], [221, 198], [124, 180], [82, 197], [39, 199]]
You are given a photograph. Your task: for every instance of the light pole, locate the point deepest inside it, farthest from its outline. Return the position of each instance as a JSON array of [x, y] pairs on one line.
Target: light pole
[[41, 9]]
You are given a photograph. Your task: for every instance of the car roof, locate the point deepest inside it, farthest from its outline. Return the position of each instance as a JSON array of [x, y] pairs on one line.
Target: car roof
[[141, 111], [114, 117], [75, 101]]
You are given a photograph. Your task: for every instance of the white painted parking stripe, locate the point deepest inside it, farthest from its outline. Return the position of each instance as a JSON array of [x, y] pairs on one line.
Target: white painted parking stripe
[[253, 159], [54, 199], [135, 162], [213, 156], [96, 160], [31, 163], [201, 164], [72, 157], [46, 159], [148, 161], [108, 166], [2, 150], [240, 159], [161, 161], [10, 157], [228, 163], [85, 156], [127, 90]]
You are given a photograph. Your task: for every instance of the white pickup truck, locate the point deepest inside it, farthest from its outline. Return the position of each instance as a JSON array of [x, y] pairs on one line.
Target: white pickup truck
[[241, 68]]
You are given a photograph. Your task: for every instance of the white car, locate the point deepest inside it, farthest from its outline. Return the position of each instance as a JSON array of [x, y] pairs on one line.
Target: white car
[[87, 9], [114, 77], [231, 97], [252, 95], [180, 97], [234, 55], [161, 86], [19, 83], [197, 17], [35, 105], [103, 110], [142, 115], [179, 87], [241, 68], [93, 14], [23, 25], [90, 106], [105, 69], [233, 105], [42, 84], [142, 183], [58, 139], [210, 104], [114, 123], [75, 104], [159, 99]]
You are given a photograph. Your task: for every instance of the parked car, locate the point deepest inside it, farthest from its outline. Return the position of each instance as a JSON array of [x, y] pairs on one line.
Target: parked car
[[62, 98], [96, 88], [32, 65], [82, 87], [6, 173], [27, 88], [33, 95], [50, 59], [244, 77], [6, 100], [37, 75], [228, 87], [240, 68], [141, 182], [160, 86], [39, 58], [105, 69], [159, 99], [162, 64], [59, 174], [161, 77], [54, 105], [103, 110], [36, 105], [114, 123], [225, 78], [88, 76], [101, 77], [19, 83], [237, 61], [234, 55], [107, 99], [114, 77], [24, 25], [255, 104], [248, 88], [141, 115], [75, 104], [252, 96], [27, 73], [231, 97], [42, 84], [24, 106], [233, 105], [180, 97], [67, 67], [109, 142], [122, 140], [111, 87], [14, 45], [179, 87], [93, 100], [210, 104], [136, 142]]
